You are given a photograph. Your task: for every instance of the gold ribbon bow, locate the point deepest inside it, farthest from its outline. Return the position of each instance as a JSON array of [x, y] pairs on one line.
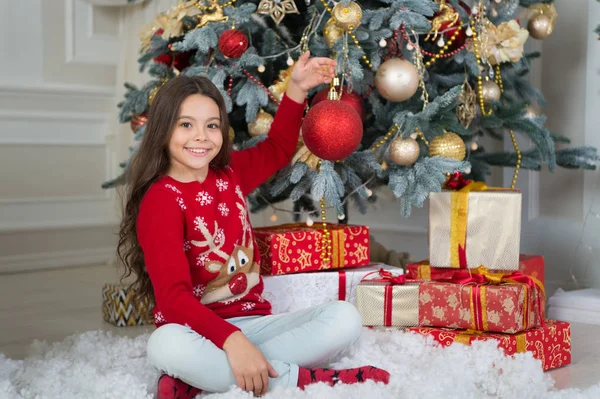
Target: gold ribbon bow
[[458, 223]]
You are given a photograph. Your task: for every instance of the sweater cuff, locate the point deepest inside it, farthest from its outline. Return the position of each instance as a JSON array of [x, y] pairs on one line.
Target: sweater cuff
[[224, 332], [288, 118], [293, 105]]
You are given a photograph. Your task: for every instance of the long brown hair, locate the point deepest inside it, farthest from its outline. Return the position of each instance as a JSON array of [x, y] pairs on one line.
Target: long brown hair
[[152, 160]]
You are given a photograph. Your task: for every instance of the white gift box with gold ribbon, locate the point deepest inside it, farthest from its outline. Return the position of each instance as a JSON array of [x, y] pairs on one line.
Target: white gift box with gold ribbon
[[292, 292], [382, 304], [475, 226]]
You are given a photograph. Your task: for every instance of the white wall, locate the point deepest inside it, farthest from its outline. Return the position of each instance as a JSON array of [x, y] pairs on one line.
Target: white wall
[[59, 137], [557, 204], [57, 79]]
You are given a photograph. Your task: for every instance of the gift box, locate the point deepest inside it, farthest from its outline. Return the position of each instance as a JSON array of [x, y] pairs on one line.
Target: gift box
[[297, 248], [291, 292], [476, 299], [121, 307], [551, 344], [529, 265], [474, 226]]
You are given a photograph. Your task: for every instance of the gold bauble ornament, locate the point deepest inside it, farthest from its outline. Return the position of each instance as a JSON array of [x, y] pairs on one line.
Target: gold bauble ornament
[[490, 92], [261, 124], [347, 17], [231, 135], [331, 32], [448, 145], [397, 80], [540, 26], [404, 152]]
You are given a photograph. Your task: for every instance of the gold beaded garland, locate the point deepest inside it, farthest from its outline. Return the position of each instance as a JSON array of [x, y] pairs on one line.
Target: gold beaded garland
[[364, 57], [386, 138], [518, 165], [325, 235], [445, 47]]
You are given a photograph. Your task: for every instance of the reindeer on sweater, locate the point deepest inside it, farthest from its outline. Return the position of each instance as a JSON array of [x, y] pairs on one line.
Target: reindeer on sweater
[[238, 273]]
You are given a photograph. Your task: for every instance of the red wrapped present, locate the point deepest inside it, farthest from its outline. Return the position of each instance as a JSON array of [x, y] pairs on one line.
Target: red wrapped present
[[298, 248], [473, 299], [529, 265], [551, 344]]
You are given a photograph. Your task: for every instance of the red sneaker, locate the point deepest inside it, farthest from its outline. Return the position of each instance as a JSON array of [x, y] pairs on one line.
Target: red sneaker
[[173, 388]]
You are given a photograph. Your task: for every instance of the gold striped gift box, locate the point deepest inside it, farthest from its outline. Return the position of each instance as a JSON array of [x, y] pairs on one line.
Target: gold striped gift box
[[122, 308]]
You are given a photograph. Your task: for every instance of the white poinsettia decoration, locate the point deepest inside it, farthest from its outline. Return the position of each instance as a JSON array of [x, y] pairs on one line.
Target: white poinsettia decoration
[[504, 42]]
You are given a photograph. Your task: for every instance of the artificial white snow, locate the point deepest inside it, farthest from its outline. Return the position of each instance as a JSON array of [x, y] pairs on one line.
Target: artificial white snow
[[100, 365]]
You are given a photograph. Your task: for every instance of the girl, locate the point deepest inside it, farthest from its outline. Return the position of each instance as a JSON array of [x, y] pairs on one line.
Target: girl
[[186, 235]]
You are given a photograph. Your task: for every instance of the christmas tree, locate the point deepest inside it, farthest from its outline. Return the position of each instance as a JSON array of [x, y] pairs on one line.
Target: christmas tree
[[419, 84]]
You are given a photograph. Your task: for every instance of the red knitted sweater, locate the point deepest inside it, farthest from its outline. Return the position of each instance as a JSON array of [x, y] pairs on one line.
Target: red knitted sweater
[[197, 240]]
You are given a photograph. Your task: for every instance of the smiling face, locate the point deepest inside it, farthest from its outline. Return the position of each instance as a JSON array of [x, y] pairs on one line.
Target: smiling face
[[196, 140]]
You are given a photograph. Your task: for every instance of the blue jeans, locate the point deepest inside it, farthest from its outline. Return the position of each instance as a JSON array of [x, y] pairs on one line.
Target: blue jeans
[[306, 338]]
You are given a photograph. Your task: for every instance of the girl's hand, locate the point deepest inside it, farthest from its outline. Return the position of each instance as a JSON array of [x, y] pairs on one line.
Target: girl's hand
[[311, 72], [250, 368]]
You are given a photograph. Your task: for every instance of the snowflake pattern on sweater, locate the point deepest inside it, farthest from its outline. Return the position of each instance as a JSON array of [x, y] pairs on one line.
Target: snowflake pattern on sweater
[[223, 259], [223, 209], [222, 185], [204, 198]]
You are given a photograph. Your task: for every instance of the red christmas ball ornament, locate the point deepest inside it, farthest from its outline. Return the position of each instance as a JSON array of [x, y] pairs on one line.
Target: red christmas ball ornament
[[350, 98], [332, 130], [166, 59], [233, 43], [461, 36], [181, 60]]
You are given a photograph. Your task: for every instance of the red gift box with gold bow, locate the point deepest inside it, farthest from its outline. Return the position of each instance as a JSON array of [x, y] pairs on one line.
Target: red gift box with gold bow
[[472, 299], [529, 265], [298, 248], [551, 344]]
